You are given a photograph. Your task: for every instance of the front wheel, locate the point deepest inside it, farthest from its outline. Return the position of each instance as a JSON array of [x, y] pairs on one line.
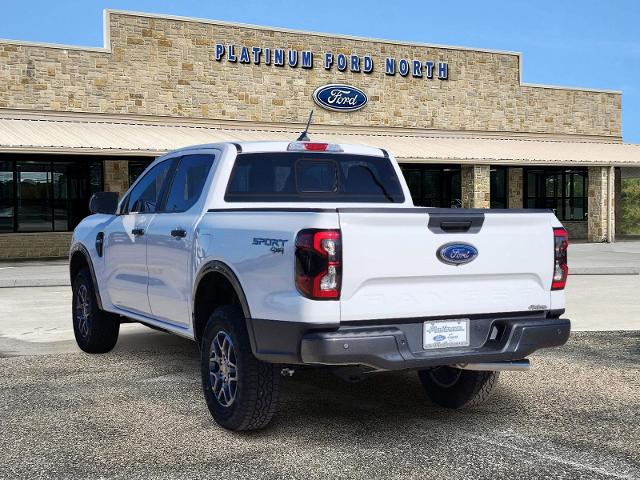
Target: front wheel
[[96, 331], [452, 387], [241, 391]]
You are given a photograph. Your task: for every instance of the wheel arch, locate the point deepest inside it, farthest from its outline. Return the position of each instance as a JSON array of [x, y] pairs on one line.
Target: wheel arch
[[228, 291], [79, 258]]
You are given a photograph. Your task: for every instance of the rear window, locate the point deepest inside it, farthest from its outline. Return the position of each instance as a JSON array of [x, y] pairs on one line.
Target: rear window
[[296, 177]]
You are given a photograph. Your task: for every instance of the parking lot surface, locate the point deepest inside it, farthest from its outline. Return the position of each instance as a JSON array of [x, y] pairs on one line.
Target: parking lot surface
[[138, 412]]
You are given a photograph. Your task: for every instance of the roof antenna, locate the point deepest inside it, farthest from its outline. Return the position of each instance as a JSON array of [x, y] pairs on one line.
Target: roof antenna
[[303, 136]]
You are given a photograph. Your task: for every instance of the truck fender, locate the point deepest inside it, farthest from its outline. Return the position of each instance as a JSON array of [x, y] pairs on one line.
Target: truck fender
[[221, 268], [79, 249]]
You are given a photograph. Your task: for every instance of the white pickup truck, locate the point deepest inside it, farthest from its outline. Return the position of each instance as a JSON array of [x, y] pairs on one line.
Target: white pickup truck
[[276, 255]]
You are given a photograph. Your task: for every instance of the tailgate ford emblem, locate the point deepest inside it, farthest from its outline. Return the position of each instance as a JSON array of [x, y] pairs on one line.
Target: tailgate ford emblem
[[340, 98], [457, 253]]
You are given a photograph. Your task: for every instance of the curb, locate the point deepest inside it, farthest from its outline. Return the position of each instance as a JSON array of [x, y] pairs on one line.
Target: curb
[[35, 283], [604, 271]]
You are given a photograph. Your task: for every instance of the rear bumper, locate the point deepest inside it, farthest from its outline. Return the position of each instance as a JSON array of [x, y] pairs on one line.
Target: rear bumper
[[398, 345]]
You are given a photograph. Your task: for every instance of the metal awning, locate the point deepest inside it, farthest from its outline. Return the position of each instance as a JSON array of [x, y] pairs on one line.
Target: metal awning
[[91, 136]]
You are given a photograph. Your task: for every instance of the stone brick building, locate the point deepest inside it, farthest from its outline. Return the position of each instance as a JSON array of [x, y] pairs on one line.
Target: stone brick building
[[465, 128]]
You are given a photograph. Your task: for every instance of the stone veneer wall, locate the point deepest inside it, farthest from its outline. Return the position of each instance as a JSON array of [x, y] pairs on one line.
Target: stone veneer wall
[[34, 245], [516, 187], [618, 200], [598, 204], [475, 184], [116, 176], [577, 230], [161, 66]]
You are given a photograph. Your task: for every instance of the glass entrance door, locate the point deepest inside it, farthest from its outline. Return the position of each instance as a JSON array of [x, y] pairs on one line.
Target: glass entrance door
[[562, 190]]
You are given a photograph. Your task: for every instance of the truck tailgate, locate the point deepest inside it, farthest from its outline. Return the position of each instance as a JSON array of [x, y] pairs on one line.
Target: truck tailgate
[[391, 267]]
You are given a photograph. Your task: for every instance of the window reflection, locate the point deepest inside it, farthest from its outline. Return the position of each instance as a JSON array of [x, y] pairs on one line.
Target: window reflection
[[6, 197], [434, 185], [498, 187], [34, 197], [562, 190]]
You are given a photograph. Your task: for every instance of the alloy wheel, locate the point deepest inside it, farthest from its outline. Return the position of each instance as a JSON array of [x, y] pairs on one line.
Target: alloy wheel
[[83, 311], [223, 372]]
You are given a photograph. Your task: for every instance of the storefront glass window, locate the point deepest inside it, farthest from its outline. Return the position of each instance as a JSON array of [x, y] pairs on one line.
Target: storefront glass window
[[40, 193], [34, 197], [6, 196], [498, 187], [61, 185], [434, 185], [563, 191]]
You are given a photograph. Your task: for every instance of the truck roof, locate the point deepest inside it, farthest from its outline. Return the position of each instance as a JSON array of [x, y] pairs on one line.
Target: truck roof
[[275, 146]]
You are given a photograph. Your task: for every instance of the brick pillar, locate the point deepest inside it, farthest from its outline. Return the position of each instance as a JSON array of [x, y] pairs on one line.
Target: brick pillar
[[598, 219], [116, 176], [475, 186], [516, 189], [618, 200]]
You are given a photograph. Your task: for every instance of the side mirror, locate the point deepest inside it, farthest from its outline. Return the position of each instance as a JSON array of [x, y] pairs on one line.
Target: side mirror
[[104, 202]]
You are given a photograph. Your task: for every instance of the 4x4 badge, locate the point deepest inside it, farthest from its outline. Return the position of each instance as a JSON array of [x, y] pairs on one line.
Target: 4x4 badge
[[276, 244]]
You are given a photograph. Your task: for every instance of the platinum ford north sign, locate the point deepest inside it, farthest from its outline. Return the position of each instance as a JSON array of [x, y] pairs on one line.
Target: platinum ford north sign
[[279, 57], [340, 98]]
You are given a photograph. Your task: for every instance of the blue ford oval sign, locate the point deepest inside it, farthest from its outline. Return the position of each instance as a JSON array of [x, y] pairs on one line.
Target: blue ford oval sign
[[457, 253], [340, 98]]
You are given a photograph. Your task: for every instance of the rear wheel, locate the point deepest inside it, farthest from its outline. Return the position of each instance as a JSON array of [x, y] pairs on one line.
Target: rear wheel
[[241, 391], [452, 387], [96, 331]]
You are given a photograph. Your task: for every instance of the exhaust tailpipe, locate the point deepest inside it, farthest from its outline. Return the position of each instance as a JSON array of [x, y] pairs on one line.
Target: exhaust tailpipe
[[517, 365]]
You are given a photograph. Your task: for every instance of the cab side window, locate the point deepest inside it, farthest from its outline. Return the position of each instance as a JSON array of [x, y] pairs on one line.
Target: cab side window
[[147, 194], [188, 182]]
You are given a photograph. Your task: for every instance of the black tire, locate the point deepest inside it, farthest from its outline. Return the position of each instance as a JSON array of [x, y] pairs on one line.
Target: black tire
[[96, 331], [254, 398], [454, 388]]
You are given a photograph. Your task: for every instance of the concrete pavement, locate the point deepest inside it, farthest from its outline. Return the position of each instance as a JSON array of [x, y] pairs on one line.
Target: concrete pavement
[[604, 258], [603, 302], [42, 273]]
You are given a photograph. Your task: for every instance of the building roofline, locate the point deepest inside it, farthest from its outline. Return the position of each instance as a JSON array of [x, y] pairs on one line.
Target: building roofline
[[304, 32], [106, 48]]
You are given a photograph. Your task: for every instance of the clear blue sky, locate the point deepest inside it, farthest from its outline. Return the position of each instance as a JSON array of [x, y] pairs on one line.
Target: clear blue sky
[[584, 43]]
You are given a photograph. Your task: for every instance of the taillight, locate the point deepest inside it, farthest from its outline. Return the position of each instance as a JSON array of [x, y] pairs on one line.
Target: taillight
[[319, 264], [560, 267]]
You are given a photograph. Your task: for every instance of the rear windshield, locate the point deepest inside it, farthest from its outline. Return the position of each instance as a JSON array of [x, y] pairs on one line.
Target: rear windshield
[[307, 177]]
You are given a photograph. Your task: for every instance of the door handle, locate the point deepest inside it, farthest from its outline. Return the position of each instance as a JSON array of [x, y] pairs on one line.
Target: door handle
[[178, 233], [138, 232]]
